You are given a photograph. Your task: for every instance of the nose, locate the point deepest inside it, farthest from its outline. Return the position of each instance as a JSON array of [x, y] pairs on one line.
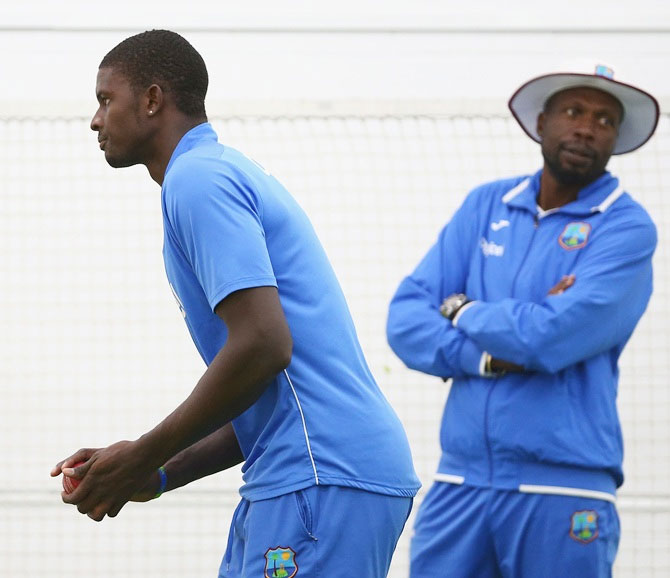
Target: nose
[[96, 121], [586, 125]]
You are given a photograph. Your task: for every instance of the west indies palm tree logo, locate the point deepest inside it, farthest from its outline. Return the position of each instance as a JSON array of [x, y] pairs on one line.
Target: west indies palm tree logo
[[280, 563], [574, 236], [584, 526]]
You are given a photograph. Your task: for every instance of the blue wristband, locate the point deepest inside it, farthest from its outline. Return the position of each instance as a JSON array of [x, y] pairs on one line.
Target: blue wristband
[[163, 476]]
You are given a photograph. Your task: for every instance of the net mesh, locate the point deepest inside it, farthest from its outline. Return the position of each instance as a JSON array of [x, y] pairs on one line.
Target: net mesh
[[93, 347]]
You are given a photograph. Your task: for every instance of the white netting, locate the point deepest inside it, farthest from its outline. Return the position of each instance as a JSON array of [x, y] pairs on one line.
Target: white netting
[[93, 348]]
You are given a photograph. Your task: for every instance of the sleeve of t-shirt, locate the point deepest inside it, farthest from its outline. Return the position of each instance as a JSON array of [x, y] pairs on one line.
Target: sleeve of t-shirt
[[217, 219]]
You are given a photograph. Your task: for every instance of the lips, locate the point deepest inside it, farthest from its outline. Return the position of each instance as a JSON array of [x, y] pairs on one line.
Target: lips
[[101, 143], [579, 151]]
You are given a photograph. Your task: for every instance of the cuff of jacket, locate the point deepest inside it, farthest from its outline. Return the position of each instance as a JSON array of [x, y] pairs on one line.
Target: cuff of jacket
[[460, 312], [471, 358]]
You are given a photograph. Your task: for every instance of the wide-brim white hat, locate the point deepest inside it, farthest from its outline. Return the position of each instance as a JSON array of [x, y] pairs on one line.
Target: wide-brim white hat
[[641, 110]]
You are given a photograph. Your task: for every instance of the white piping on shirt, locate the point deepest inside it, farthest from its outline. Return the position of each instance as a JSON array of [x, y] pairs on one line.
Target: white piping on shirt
[[449, 478], [304, 427], [602, 207], [609, 201], [563, 491], [533, 489], [509, 195]]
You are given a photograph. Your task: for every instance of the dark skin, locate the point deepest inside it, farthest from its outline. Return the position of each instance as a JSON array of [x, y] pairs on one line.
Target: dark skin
[[579, 128], [196, 439]]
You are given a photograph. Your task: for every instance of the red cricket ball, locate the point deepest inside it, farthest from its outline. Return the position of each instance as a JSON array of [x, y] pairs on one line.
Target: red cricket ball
[[69, 484]]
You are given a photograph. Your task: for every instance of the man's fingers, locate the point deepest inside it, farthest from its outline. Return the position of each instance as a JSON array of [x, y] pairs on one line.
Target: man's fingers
[[114, 511], [81, 455], [566, 282]]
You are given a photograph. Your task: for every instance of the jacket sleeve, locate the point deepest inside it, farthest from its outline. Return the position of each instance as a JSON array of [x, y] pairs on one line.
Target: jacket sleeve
[[599, 312], [416, 331]]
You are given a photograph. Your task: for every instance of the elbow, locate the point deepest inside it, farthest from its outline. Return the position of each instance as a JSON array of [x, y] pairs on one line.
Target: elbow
[[277, 351], [394, 337], [284, 354], [281, 348], [268, 351]]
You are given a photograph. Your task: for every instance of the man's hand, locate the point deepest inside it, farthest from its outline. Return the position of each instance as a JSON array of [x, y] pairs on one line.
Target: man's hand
[[566, 282], [501, 366], [110, 478], [148, 492]]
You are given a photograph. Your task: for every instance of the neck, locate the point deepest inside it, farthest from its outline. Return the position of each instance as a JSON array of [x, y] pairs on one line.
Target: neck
[[166, 141], [554, 193]]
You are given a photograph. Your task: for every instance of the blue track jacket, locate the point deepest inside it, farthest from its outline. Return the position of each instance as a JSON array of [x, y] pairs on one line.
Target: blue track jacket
[[554, 428]]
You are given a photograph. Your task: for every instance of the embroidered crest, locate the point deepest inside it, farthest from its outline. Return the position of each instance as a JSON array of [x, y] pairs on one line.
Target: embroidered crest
[[280, 563], [584, 526], [575, 235]]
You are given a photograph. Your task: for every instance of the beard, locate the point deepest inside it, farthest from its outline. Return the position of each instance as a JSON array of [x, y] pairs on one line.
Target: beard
[[571, 174]]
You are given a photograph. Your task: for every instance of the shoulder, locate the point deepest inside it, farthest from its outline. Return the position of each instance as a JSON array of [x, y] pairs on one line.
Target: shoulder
[[206, 173], [197, 165], [627, 211], [491, 191], [626, 223]]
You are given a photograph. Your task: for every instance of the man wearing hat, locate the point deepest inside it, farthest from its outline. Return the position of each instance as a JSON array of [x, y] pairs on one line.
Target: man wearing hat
[[526, 302]]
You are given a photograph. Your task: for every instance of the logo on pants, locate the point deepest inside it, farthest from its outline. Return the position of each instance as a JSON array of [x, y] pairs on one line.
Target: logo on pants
[[280, 563], [584, 526]]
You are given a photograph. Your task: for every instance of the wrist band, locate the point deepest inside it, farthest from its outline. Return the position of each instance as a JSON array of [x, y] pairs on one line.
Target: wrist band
[[163, 476], [487, 365]]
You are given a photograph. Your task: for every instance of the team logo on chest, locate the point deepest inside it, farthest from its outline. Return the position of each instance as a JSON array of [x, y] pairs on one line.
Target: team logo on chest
[[280, 563], [584, 526], [574, 236]]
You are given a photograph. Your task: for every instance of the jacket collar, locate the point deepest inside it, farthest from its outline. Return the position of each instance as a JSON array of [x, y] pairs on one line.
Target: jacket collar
[[597, 196]]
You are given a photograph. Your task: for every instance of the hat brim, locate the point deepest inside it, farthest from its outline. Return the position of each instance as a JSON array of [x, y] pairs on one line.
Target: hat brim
[[641, 110]]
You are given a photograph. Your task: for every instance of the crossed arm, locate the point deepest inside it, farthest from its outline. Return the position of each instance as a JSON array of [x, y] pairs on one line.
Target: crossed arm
[[601, 307], [500, 365]]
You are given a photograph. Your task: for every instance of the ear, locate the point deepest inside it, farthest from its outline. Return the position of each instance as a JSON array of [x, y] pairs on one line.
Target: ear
[[154, 100], [540, 124]]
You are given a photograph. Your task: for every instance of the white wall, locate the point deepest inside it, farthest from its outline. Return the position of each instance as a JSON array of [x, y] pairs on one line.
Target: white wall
[[273, 51]]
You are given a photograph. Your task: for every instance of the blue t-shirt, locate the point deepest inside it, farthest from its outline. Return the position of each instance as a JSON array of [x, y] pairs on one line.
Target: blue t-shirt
[[230, 225]]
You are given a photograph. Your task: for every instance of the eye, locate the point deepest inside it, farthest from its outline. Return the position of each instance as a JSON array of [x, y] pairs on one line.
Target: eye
[[571, 111], [605, 120]]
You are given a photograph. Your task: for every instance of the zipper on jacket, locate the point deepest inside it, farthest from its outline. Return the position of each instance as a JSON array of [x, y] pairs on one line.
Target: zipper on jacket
[[536, 224], [489, 451]]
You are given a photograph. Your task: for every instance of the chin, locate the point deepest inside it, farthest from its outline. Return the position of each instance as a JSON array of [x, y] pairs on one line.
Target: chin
[[118, 162], [572, 177]]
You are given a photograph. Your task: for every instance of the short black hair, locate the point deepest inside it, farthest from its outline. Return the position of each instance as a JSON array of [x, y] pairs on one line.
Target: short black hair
[[165, 58]]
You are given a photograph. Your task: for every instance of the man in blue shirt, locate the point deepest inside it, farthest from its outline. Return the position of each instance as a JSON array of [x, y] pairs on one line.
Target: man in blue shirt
[[526, 301], [328, 475]]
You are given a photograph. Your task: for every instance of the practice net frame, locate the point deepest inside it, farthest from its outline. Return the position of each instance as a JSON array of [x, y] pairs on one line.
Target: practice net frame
[[94, 349]]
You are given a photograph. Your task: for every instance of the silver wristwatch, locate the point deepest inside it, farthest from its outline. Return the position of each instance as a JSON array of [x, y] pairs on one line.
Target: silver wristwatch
[[452, 304]]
